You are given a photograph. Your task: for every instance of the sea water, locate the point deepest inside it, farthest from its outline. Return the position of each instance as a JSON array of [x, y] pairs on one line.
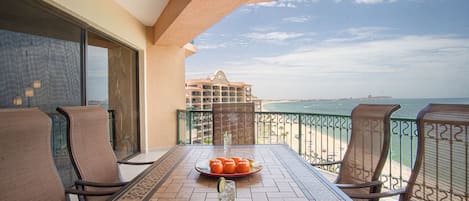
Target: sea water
[[402, 149], [409, 107]]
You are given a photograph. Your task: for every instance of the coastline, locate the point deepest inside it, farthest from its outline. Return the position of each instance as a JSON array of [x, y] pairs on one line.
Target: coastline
[[265, 102]]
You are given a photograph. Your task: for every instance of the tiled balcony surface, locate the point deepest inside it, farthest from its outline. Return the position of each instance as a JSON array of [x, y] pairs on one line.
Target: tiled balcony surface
[[128, 172]]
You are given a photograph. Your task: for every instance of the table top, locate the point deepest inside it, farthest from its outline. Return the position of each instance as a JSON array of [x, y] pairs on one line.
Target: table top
[[285, 176]]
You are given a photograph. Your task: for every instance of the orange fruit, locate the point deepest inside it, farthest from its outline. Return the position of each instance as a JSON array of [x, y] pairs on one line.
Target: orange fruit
[[243, 166], [222, 159], [236, 159], [213, 161], [216, 166], [229, 167]]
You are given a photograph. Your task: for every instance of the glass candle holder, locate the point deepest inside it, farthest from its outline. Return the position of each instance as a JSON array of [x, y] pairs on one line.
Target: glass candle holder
[[229, 193]]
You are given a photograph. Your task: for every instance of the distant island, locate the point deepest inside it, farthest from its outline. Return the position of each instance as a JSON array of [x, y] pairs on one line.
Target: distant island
[[369, 97]]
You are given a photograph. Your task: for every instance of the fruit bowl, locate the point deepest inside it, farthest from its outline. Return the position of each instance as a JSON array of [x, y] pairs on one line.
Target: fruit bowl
[[203, 168]]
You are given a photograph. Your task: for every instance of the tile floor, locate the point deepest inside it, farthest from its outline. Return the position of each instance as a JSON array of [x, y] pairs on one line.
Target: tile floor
[[128, 172]]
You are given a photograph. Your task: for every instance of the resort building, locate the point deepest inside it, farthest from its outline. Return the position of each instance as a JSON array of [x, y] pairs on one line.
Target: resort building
[[201, 93]]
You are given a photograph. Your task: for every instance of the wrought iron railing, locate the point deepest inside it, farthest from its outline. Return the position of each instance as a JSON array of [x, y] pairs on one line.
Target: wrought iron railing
[[316, 137]]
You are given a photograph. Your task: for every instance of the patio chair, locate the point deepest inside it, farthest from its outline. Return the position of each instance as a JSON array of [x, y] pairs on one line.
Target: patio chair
[[441, 167], [27, 168], [367, 151], [235, 119], [90, 150]]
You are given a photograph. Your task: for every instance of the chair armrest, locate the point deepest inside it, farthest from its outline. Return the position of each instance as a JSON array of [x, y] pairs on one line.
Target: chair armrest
[[361, 185], [326, 163], [135, 163], [97, 184], [88, 193], [377, 195]]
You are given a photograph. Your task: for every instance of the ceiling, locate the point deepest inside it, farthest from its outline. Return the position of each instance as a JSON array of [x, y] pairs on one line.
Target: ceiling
[[146, 11]]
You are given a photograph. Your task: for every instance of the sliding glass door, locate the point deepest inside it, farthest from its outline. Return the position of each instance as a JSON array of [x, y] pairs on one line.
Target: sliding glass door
[[46, 61], [111, 77]]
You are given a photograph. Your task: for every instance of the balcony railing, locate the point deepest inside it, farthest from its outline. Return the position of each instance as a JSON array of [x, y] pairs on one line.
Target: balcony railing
[[315, 137]]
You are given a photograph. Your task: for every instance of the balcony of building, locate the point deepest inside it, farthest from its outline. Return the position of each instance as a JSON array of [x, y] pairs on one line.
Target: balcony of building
[[195, 93], [207, 93]]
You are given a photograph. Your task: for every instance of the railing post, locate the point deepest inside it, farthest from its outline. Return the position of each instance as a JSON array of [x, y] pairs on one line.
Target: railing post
[[190, 127], [299, 134], [112, 117], [178, 124]]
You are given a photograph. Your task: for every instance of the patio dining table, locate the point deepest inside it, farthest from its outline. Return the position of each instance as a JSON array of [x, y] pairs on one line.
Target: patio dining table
[[285, 176]]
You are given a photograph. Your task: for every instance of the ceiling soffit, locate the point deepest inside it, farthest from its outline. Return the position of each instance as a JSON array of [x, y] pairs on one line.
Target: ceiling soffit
[[183, 20], [146, 11]]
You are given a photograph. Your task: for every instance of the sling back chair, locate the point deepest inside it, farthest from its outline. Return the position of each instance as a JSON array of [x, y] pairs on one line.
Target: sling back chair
[[441, 167], [234, 119], [27, 170], [367, 150], [90, 150]]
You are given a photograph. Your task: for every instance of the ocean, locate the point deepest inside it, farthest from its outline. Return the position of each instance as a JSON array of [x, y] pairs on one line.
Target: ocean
[[409, 107], [409, 110]]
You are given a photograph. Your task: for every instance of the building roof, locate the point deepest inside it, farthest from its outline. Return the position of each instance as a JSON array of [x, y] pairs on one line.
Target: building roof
[[219, 77]]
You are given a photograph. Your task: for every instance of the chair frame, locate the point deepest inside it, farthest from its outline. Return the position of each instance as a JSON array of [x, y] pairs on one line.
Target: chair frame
[[375, 184], [248, 125], [66, 191], [80, 183], [406, 192]]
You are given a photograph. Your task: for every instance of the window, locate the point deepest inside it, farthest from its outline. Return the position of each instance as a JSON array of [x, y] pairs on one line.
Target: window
[[111, 81], [43, 64]]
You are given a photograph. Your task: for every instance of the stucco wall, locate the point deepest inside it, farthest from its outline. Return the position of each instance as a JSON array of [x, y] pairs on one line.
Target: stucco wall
[[166, 93]]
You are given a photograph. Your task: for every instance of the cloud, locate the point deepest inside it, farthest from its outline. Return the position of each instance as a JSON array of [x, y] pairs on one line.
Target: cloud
[[374, 1], [299, 19], [264, 28], [211, 46], [277, 4], [284, 3], [388, 55], [404, 66], [273, 36], [360, 33]]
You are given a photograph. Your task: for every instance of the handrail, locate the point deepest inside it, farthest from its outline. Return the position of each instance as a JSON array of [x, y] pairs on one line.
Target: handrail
[[301, 113]]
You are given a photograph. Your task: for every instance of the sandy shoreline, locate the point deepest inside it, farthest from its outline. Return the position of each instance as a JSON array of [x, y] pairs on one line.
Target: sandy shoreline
[[265, 102]]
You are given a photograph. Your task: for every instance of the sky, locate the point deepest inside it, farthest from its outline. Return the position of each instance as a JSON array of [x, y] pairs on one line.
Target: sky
[[313, 49]]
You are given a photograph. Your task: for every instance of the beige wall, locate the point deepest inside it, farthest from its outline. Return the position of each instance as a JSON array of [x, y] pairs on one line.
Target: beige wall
[[161, 68], [166, 93], [106, 16]]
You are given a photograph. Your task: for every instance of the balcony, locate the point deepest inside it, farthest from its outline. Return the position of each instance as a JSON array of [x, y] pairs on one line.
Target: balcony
[[315, 137]]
